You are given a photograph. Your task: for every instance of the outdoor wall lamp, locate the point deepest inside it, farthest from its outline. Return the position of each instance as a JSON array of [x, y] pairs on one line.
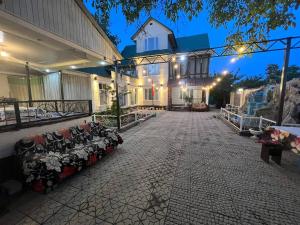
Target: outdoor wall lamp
[[4, 54]]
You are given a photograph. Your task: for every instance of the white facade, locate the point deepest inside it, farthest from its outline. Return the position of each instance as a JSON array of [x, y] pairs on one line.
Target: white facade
[[152, 37]]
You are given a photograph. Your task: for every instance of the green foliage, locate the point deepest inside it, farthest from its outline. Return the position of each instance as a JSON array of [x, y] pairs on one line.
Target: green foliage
[[247, 20], [188, 99], [220, 94], [104, 24], [274, 73], [250, 82]]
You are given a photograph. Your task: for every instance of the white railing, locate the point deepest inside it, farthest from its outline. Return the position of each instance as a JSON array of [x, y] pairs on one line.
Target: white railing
[[244, 122], [232, 108], [125, 120]]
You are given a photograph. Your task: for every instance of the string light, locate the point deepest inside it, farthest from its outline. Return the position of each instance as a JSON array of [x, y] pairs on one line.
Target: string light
[[233, 60], [173, 59], [225, 72], [241, 49]]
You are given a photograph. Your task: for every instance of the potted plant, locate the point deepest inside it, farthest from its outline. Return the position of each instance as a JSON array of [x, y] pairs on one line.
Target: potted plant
[[188, 102]]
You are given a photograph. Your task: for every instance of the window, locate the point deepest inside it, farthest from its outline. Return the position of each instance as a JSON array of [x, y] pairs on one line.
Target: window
[[185, 92], [151, 43], [148, 94], [133, 97], [151, 70], [103, 94]]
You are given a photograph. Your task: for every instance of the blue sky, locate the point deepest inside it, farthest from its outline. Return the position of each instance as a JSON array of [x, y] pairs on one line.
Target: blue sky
[[249, 66]]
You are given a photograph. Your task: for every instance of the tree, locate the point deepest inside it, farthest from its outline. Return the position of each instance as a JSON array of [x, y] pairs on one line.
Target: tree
[[274, 73], [220, 94], [250, 82], [248, 20], [103, 22]]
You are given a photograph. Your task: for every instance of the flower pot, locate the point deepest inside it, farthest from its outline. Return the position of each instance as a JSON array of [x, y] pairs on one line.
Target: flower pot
[[91, 160], [66, 172], [38, 186]]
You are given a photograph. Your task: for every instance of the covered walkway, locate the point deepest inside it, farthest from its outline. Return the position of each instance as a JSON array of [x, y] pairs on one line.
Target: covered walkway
[[178, 168]]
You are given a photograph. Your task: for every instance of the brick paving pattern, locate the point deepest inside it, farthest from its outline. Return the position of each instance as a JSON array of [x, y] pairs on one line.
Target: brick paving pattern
[[178, 168]]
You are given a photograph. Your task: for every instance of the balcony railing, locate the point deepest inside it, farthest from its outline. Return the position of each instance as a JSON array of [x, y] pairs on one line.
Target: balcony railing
[[21, 114]]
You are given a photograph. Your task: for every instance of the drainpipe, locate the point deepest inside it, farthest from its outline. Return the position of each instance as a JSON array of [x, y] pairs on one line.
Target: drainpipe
[[28, 84]]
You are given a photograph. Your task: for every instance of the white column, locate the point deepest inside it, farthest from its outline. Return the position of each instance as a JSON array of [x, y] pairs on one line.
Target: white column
[[207, 96]]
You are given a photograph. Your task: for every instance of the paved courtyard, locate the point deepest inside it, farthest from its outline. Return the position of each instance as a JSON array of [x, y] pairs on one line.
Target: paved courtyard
[[178, 168]]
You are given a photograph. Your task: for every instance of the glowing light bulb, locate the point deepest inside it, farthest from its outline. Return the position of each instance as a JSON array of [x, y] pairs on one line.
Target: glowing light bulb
[[241, 49], [225, 72], [233, 60], [173, 59], [178, 76], [218, 79], [176, 66], [4, 54]]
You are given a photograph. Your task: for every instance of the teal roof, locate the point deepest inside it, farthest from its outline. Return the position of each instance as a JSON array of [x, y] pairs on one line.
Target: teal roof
[[104, 71], [184, 44], [192, 43]]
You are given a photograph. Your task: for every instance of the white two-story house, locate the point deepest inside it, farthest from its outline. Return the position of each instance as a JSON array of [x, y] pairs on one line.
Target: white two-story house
[[166, 84]]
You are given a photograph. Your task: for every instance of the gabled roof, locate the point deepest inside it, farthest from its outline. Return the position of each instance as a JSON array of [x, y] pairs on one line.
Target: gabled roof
[[184, 44], [147, 21]]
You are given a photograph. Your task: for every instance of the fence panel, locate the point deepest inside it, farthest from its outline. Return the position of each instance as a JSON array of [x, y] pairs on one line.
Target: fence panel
[[18, 114]]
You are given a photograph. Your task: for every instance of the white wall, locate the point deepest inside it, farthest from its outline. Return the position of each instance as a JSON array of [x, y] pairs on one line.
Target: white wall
[[154, 30], [4, 90], [162, 78], [66, 19]]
